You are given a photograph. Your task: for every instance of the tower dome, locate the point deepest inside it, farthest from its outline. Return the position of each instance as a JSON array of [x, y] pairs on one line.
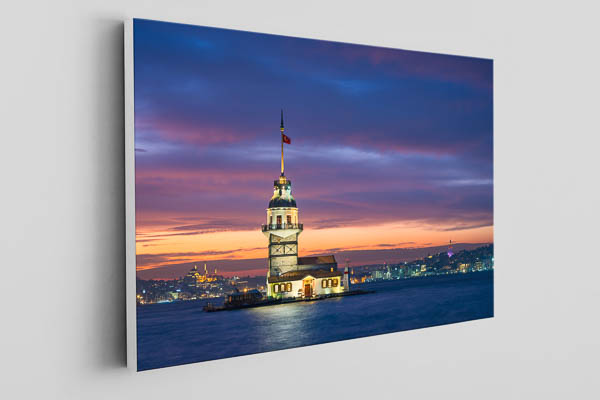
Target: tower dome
[[282, 194]]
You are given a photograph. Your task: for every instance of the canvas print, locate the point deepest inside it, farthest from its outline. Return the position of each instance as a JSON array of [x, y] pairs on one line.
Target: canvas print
[[293, 192]]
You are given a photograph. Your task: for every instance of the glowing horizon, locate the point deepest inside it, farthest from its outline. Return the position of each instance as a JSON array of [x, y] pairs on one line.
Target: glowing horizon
[[178, 249]]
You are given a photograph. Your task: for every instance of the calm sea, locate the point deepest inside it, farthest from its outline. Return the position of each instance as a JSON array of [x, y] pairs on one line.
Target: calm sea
[[179, 333]]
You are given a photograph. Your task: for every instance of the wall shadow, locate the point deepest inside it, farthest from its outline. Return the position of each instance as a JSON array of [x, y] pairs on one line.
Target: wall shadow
[[107, 319]]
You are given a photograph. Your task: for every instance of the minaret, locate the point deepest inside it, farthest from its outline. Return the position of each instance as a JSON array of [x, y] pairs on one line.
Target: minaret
[[282, 227]]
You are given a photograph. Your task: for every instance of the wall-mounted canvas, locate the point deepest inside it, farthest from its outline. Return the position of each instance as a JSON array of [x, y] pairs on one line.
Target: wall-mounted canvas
[[286, 192]]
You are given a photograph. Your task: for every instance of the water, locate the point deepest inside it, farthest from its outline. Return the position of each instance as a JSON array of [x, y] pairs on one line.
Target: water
[[180, 333]]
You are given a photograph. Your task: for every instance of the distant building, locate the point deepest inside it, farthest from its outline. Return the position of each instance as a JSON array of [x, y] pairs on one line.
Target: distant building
[[288, 275], [377, 274], [194, 278]]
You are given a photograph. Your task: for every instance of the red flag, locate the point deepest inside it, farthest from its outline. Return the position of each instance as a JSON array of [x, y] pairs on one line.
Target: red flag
[[286, 139]]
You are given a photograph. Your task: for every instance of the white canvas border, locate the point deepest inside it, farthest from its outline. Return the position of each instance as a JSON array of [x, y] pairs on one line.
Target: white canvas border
[[130, 261]]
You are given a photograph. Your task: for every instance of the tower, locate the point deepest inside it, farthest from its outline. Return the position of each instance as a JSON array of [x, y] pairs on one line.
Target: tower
[[450, 252], [346, 280], [282, 228]]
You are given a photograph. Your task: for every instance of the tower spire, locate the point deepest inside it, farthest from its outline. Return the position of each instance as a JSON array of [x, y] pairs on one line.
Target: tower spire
[[281, 142]]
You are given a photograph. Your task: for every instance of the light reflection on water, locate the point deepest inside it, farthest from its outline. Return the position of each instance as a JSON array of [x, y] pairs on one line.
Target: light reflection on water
[[285, 326], [178, 333]]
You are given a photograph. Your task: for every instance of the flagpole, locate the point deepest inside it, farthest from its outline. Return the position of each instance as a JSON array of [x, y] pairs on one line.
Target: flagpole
[[282, 142]]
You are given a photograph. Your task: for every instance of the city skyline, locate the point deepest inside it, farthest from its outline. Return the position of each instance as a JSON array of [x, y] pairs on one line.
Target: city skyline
[[390, 148], [255, 267], [202, 283]]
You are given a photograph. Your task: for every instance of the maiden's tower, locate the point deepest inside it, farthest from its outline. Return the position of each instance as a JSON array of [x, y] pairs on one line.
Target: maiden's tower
[[288, 275]]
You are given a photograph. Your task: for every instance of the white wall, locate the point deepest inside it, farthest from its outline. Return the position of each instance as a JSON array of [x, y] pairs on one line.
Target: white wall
[[61, 157]]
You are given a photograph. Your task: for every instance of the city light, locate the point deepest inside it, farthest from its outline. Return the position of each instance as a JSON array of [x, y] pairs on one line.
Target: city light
[[194, 286]]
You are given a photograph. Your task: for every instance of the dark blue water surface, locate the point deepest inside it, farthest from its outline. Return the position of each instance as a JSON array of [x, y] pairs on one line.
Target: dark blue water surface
[[180, 332]]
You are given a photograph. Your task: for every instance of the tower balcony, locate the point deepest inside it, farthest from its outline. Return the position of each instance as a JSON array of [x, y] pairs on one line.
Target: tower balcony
[[280, 227]]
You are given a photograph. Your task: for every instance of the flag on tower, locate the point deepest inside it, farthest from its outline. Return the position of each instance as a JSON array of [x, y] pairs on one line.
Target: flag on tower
[[286, 139]]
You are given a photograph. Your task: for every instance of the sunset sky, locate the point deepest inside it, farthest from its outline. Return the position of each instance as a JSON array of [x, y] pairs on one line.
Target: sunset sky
[[390, 148]]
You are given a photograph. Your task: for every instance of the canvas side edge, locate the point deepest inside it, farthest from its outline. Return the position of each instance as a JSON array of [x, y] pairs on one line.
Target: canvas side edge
[[130, 259]]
